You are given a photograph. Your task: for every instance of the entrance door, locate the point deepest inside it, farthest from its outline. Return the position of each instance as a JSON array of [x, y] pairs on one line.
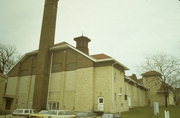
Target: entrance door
[[101, 103], [129, 101], [8, 103]]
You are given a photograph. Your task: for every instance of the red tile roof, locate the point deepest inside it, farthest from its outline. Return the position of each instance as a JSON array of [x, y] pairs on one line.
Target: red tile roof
[[100, 56]]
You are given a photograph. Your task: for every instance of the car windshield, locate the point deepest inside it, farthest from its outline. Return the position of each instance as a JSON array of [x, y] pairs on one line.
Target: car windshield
[[43, 112], [52, 112], [110, 115], [107, 115], [33, 111], [85, 114], [18, 111], [64, 113]]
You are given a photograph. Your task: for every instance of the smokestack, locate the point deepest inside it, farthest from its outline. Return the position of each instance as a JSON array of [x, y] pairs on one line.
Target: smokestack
[[44, 56], [82, 44]]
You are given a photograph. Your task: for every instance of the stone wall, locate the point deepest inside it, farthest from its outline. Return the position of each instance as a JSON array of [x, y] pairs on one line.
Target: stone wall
[[21, 90], [135, 95], [155, 94], [2, 90], [72, 89]]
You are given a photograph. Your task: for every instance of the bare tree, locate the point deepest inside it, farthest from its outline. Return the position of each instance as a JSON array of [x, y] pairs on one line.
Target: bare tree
[[7, 58], [168, 66]]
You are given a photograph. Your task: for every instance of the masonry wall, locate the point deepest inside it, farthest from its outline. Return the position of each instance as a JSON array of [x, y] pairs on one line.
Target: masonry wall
[[120, 104], [25, 67], [102, 87], [72, 89], [76, 83], [84, 87], [138, 96], [2, 88], [21, 90], [80, 89], [154, 84], [178, 96]]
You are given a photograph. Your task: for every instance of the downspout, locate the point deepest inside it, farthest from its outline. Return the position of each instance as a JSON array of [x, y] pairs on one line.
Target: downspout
[[16, 100], [112, 84], [64, 77], [47, 105], [30, 82]]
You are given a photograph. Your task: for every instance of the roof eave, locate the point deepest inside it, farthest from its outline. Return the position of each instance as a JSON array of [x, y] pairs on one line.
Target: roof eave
[[126, 68]]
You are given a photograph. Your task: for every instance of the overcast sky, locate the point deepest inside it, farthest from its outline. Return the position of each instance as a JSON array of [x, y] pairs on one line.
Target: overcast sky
[[127, 30]]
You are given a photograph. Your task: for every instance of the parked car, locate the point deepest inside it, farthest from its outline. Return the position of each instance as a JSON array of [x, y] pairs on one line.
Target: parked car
[[110, 115], [86, 114], [53, 114], [23, 112]]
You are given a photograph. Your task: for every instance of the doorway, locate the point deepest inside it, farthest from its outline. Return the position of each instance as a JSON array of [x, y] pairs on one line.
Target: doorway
[[8, 103], [101, 104]]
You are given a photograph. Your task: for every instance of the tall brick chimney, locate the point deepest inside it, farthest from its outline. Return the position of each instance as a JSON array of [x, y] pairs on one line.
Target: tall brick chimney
[[82, 44], [44, 56]]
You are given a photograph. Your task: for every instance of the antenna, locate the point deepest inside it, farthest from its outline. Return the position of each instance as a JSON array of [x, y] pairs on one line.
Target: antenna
[[82, 33]]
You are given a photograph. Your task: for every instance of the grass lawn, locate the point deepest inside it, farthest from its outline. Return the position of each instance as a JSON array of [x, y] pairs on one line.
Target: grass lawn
[[148, 112]]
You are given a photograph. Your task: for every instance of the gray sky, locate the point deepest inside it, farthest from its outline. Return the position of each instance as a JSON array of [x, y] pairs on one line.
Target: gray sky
[[127, 30]]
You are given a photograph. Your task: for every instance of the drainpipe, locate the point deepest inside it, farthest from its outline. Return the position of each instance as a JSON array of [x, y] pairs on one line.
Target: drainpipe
[[47, 105], [112, 83], [30, 83]]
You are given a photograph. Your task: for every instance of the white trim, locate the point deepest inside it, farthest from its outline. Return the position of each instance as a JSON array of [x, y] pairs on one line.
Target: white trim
[[99, 99], [100, 105], [119, 94]]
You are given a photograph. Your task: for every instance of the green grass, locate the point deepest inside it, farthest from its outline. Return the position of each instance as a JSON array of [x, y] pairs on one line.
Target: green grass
[[148, 112]]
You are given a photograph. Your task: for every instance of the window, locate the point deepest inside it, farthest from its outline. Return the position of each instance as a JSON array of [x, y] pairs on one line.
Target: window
[[125, 97], [101, 100], [19, 111], [26, 111], [115, 96], [53, 105]]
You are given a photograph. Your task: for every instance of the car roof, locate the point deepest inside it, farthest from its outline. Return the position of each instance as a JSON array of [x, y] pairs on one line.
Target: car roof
[[55, 110], [85, 111], [24, 109]]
